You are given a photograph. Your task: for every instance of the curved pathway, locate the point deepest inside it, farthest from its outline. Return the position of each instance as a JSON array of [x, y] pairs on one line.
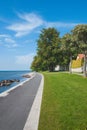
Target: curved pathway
[[15, 107]]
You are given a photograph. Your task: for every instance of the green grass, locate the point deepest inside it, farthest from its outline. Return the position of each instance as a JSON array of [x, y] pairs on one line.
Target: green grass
[[64, 103]]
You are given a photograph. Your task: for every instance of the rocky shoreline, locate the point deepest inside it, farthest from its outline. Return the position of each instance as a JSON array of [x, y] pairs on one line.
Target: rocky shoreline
[[26, 76], [9, 82]]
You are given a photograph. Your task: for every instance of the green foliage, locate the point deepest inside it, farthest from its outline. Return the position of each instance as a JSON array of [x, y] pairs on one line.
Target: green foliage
[[48, 49], [68, 45], [80, 37], [53, 50], [68, 48]]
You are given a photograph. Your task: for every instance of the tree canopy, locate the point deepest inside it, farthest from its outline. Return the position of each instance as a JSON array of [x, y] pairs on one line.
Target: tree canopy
[[79, 34], [80, 37], [48, 49], [54, 50]]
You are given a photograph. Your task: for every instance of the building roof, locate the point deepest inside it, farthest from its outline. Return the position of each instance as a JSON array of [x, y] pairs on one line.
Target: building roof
[[80, 56]]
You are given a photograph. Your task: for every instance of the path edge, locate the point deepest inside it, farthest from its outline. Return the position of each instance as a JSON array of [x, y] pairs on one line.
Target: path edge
[[34, 115]]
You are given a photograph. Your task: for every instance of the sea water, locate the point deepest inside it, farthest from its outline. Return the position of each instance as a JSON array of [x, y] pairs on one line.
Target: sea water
[[8, 75]]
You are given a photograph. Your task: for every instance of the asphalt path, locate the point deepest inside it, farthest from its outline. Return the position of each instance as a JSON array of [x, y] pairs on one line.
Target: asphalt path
[[15, 107]]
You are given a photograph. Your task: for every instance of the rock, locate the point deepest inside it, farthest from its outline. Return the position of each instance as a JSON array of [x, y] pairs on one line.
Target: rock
[[12, 80], [17, 80], [26, 76], [8, 82], [1, 84]]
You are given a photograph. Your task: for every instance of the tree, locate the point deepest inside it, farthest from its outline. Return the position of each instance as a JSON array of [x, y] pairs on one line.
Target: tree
[[36, 64], [68, 48], [80, 36], [48, 46]]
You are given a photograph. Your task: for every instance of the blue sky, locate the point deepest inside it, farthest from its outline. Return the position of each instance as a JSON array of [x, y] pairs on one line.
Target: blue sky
[[22, 20]]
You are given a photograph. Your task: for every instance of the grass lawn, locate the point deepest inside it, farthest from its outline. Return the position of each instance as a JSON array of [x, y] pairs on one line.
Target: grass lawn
[[64, 104]]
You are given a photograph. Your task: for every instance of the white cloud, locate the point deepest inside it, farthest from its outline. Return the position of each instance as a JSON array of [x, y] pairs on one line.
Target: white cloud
[[4, 36], [11, 45], [29, 41], [15, 45], [25, 59], [60, 24], [31, 21], [32, 18], [9, 40]]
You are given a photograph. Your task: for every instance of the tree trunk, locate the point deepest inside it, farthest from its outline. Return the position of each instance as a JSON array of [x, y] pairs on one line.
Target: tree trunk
[[70, 69], [51, 68], [84, 69]]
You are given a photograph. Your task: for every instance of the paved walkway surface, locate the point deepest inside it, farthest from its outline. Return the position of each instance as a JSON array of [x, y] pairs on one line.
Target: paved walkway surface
[[15, 107], [34, 115]]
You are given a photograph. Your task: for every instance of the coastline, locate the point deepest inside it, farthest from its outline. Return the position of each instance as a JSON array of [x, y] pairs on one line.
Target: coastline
[[5, 93]]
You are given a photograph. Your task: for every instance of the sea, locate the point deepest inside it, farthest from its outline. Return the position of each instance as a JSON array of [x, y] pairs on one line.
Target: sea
[[8, 75]]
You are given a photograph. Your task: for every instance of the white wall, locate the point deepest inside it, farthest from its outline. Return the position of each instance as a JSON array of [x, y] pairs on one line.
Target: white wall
[[77, 69]]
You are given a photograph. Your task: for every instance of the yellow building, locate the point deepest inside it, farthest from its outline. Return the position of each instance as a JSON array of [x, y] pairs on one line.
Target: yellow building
[[77, 65]]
